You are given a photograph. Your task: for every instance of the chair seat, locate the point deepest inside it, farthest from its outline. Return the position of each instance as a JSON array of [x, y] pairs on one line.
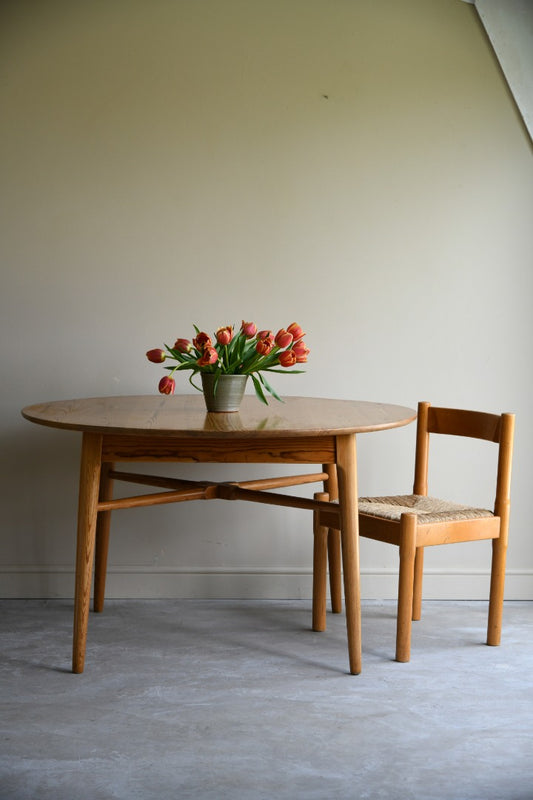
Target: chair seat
[[427, 509]]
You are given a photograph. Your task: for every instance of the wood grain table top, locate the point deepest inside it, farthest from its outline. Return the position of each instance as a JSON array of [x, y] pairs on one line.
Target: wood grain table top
[[186, 416]]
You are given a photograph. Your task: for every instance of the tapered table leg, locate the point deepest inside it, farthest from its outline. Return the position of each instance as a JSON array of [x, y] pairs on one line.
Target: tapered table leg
[[334, 544], [320, 565], [91, 453], [347, 477], [102, 539]]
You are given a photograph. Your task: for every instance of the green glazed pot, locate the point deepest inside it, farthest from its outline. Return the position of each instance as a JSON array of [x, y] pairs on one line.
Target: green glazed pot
[[229, 392]]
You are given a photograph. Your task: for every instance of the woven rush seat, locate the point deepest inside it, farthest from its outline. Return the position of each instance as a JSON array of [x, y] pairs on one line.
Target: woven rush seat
[[427, 509]]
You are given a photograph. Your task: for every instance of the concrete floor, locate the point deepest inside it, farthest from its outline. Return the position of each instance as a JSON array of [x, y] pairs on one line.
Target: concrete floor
[[240, 699]]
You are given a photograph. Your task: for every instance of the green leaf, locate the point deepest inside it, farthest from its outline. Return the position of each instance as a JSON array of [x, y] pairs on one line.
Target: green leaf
[[284, 371], [187, 365], [218, 372], [259, 391], [269, 388], [191, 376]]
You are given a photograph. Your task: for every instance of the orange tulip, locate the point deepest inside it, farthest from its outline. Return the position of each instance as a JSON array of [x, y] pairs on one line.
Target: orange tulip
[[283, 338], [249, 329], [265, 345], [296, 331], [156, 356], [225, 335], [167, 385], [183, 345], [287, 358], [301, 352], [209, 356], [201, 341]]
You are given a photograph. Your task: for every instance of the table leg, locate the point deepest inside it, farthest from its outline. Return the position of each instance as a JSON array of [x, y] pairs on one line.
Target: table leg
[[91, 454], [102, 539], [347, 477], [334, 544], [320, 565]]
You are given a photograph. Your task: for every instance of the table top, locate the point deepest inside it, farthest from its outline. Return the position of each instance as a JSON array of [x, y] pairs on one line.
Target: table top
[[185, 416]]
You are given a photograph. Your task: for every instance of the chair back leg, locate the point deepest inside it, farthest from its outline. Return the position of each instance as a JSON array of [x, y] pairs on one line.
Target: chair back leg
[[497, 581], [417, 583]]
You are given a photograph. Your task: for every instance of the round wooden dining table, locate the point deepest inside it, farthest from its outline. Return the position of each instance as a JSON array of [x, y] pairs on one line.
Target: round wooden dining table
[[158, 428]]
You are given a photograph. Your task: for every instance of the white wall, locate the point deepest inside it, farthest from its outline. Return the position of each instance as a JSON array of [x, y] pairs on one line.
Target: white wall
[[509, 25], [358, 167]]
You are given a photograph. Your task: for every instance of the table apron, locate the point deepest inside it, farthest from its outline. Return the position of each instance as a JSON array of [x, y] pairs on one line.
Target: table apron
[[270, 449]]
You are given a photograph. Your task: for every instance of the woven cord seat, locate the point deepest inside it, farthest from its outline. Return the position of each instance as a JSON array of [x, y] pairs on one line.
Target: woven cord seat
[[427, 509]]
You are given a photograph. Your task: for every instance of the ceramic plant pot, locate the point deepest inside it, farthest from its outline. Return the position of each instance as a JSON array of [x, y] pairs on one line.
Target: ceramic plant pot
[[229, 391]]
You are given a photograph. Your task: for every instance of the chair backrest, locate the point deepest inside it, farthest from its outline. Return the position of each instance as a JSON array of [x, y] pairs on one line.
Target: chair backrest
[[498, 428]]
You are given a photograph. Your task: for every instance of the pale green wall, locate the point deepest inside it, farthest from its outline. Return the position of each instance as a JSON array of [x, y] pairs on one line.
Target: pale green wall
[[359, 167]]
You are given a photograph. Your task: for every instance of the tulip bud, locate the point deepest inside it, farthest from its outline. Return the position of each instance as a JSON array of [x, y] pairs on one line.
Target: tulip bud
[[287, 358], [296, 331], [156, 356], [183, 345], [209, 356], [167, 385], [283, 338], [225, 335], [264, 335], [249, 329]]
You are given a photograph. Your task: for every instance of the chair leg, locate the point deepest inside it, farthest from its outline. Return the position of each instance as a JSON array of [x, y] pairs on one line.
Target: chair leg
[[417, 583], [497, 581], [405, 586], [335, 579], [102, 539], [320, 565]]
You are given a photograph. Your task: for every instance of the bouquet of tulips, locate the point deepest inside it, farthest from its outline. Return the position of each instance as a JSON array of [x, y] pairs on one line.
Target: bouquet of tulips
[[247, 352]]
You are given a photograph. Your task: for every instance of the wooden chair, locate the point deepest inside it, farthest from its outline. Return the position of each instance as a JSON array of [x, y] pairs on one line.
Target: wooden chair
[[412, 522]]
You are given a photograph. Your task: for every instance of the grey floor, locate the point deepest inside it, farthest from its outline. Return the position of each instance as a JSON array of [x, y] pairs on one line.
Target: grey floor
[[240, 699]]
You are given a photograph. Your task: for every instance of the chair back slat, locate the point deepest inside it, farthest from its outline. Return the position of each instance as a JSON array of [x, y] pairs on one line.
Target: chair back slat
[[456, 422]]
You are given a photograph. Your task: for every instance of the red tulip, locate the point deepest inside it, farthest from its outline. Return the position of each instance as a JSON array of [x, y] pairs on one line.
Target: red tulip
[[209, 356], [301, 352], [249, 329], [201, 341], [287, 358], [265, 335], [265, 345], [225, 335], [156, 356], [167, 385], [296, 331], [283, 338], [183, 345]]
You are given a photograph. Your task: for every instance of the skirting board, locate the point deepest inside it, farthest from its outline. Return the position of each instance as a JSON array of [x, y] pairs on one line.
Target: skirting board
[[275, 584]]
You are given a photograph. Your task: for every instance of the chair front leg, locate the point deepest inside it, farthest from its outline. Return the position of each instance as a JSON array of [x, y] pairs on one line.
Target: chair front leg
[[405, 586]]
